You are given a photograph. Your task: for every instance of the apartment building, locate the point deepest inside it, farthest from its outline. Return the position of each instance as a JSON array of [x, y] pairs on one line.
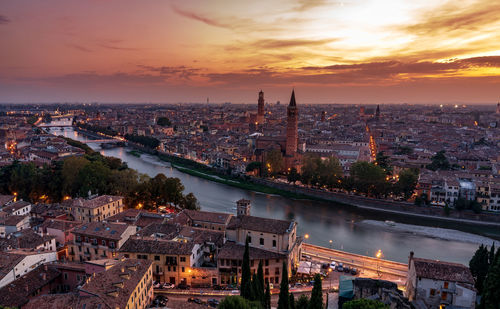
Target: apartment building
[[95, 209]]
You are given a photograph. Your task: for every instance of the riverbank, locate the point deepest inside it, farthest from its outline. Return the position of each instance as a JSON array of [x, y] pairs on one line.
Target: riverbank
[[265, 186]]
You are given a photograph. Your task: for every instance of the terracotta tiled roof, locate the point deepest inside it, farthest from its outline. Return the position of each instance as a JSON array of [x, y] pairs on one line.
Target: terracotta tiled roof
[[166, 231], [15, 206], [57, 224], [4, 199], [115, 285], [102, 229], [95, 202], [159, 246], [265, 225], [8, 261], [206, 216], [16, 293], [445, 271]]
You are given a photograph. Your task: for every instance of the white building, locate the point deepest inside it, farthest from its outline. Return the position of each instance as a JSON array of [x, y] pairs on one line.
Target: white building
[[438, 284], [16, 263]]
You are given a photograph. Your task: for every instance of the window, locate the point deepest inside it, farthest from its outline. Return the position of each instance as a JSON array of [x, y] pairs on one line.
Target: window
[[112, 244], [182, 259], [266, 271], [446, 283], [103, 242], [274, 243], [433, 292], [277, 271], [261, 241], [182, 269], [65, 276], [157, 257], [267, 263]]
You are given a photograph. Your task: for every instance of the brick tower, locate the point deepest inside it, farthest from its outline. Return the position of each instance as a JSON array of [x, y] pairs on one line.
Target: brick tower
[[260, 108], [292, 135]]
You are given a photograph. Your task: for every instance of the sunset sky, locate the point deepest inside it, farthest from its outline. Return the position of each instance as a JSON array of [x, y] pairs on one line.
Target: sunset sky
[[353, 51]]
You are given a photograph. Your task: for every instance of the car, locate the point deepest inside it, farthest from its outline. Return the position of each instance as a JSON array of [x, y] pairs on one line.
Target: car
[[218, 287], [167, 285], [198, 301], [160, 301], [347, 269], [306, 257], [183, 286], [213, 303], [339, 268], [354, 271], [325, 265], [191, 300], [157, 285], [333, 264]]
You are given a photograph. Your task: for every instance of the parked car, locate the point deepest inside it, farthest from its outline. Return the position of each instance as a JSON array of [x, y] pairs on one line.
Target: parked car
[[333, 264], [157, 285], [183, 286], [347, 269], [160, 301], [218, 287], [191, 300], [167, 285], [213, 303], [354, 271], [325, 265], [340, 267]]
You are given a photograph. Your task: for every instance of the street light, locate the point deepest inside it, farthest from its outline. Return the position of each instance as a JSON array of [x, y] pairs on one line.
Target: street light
[[378, 255], [331, 243], [306, 236], [331, 276]]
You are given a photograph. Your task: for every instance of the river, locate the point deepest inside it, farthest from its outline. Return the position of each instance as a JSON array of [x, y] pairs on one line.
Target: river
[[322, 221]]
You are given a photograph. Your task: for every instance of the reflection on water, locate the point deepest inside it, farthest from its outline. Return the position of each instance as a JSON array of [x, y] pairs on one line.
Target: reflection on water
[[322, 221]]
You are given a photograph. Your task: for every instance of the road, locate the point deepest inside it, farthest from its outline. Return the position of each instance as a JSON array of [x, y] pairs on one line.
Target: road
[[369, 267]]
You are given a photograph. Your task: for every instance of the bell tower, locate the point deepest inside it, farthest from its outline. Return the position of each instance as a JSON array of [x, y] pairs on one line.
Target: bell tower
[[292, 127]]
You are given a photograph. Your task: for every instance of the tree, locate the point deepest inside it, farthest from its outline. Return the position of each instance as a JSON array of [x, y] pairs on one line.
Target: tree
[[479, 265], [190, 202], [164, 122], [284, 297], [274, 162], [439, 162], [407, 182], [321, 172], [292, 301], [384, 162], [491, 297], [252, 166], [303, 302], [364, 303], [368, 178], [316, 301], [268, 297], [246, 291], [260, 285], [238, 302], [293, 175]]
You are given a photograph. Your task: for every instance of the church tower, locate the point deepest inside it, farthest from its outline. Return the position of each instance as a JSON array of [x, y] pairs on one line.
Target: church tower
[[292, 127], [260, 108], [498, 108]]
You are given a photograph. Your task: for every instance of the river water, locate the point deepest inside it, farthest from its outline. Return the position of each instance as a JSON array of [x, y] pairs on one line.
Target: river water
[[322, 221]]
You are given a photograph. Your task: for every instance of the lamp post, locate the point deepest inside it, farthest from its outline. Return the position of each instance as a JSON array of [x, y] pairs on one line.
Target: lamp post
[[331, 276], [331, 244], [378, 255]]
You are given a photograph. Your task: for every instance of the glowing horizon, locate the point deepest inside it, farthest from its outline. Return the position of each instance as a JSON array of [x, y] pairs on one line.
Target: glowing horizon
[[357, 51]]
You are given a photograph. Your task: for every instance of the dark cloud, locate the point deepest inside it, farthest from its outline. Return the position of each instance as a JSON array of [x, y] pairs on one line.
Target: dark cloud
[[79, 47], [183, 72], [4, 20], [94, 79], [198, 17]]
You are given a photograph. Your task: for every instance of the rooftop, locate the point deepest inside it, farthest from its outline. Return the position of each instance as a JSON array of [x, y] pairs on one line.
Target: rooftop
[[444, 271], [265, 225]]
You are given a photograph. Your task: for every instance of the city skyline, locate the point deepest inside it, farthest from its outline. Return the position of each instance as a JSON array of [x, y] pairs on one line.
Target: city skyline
[[350, 52]]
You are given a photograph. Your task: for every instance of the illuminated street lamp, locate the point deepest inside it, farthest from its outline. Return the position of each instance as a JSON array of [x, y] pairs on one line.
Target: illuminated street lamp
[[306, 236], [331, 244], [378, 255]]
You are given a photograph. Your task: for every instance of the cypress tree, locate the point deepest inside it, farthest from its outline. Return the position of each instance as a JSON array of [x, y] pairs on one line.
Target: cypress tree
[[316, 301], [303, 302], [292, 301], [261, 294], [254, 294], [246, 289], [479, 265], [491, 296], [284, 298], [492, 254], [268, 297]]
